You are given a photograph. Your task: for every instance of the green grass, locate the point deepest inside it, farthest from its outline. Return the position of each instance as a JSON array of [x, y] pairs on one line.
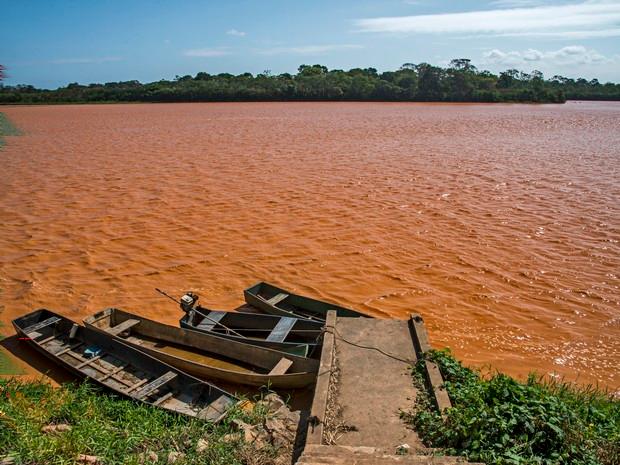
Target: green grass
[[498, 420], [7, 129], [114, 429]]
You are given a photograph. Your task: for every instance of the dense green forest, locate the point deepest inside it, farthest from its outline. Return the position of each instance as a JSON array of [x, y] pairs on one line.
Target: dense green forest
[[459, 82]]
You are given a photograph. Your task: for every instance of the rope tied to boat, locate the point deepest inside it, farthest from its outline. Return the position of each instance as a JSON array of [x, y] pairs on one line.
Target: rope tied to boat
[[334, 332]]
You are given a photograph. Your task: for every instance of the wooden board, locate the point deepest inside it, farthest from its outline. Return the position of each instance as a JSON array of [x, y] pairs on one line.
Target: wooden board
[[210, 320], [215, 409], [276, 299], [155, 384], [281, 330], [124, 326], [42, 324], [281, 367]]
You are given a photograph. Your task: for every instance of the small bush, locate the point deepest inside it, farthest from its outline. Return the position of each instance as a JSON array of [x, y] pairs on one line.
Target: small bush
[[498, 420]]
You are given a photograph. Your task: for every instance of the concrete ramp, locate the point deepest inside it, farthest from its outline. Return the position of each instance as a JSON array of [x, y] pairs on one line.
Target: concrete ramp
[[374, 360], [363, 385]]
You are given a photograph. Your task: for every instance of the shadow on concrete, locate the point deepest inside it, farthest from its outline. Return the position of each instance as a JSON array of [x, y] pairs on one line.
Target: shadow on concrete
[[26, 353]]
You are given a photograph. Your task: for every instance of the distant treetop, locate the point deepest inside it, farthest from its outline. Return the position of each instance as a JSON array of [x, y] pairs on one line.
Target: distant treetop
[[461, 81]]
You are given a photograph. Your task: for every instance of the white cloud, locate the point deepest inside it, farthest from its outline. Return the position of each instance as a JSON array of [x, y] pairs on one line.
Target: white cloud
[[585, 34], [566, 56], [516, 3], [595, 18], [206, 52], [84, 61], [308, 49], [236, 33]]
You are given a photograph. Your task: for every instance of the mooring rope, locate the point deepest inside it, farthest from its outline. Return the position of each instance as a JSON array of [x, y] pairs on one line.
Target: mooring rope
[[339, 336]]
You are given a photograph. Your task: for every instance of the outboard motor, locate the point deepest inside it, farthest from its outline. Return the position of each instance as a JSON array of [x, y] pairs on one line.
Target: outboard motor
[[188, 301]]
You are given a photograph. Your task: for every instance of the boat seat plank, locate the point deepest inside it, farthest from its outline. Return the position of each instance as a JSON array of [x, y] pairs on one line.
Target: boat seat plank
[[163, 399], [89, 361], [215, 409], [42, 324], [121, 328], [281, 330], [69, 349], [118, 377], [155, 384], [276, 299], [113, 372], [132, 387], [210, 320], [46, 340], [281, 367]]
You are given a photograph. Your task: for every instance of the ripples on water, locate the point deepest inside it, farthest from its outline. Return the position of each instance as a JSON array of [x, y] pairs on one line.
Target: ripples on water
[[498, 223]]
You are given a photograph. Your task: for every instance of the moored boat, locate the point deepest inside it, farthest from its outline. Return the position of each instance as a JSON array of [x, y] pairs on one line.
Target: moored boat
[[287, 334], [274, 300], [206, 355], [121, 368]]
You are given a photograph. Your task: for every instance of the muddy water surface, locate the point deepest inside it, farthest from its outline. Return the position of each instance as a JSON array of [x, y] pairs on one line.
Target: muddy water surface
[[498, 223]]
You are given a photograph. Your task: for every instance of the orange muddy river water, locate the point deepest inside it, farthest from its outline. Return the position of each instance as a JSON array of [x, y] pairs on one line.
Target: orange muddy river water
[[500, 224]]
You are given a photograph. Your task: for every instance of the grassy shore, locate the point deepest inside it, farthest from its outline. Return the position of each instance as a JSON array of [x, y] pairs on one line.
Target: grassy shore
[[498, 420], [116, 430], [7, 129]]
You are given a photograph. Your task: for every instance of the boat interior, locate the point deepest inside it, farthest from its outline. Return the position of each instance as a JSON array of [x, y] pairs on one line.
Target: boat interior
[[270, 328], [122, 368]]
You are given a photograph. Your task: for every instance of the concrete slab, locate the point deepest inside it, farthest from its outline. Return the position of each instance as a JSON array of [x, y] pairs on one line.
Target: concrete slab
[[374, 386]]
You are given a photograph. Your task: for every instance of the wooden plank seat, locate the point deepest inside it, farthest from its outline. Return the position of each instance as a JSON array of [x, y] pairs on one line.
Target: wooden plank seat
[[211, 320], [121, 328], [89, 361], [154, 385], [276, 299], [215, 409], [134, 386], [46, 340], [41, 324], [163, 398], [69, 350], [281, 329], [281, 367], [116, 370]]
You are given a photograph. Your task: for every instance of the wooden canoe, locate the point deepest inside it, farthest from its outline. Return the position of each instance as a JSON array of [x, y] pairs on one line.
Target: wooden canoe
[[277, 301], [206, 355], [119, 367], [290, 335]]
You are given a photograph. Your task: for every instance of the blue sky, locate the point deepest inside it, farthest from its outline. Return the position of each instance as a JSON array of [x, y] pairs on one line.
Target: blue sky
[[52, 43]]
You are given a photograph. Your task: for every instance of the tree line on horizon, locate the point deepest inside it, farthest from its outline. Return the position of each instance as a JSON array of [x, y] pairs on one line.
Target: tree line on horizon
[[461, 81]]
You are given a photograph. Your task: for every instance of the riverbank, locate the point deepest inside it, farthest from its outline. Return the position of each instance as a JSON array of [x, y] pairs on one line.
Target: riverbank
[[494, 419], [497, 420], [79, 424]]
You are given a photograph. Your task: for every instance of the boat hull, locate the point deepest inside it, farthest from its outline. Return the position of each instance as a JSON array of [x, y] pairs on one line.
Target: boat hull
[[303, 338], [199, 353], [277, 301], [120, 368]]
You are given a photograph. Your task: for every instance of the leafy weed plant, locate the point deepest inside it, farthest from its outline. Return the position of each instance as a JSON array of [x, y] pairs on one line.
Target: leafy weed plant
[[498, 420]]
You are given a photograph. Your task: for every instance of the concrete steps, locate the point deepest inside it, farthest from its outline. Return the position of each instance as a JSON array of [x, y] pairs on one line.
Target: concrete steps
[[349, 455], [364, 384]]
